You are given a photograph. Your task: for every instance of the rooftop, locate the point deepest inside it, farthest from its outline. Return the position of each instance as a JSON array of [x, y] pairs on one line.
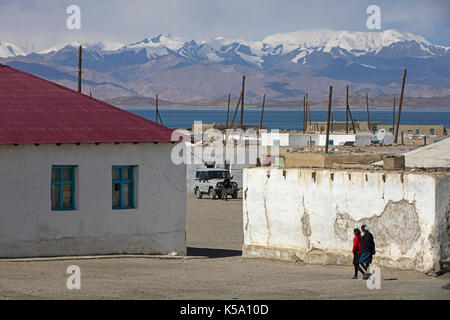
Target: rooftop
[[435, 155], [34, 110]]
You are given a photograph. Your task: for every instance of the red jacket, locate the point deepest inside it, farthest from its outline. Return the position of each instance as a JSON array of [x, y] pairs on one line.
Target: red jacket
[[357, 244]]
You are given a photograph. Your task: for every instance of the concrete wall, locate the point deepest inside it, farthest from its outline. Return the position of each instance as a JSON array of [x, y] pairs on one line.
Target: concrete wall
[[309, 214], [337, 139], [28, 226], [300, 139], [268, 138]]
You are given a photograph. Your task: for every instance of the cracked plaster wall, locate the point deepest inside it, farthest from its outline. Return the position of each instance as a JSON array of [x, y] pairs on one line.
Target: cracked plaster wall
[[310, 214]]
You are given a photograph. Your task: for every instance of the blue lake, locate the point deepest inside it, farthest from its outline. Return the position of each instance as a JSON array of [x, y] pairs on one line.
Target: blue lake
[[286, 118]]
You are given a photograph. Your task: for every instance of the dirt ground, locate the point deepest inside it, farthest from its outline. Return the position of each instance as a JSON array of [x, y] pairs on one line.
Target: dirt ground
[[217, 271]]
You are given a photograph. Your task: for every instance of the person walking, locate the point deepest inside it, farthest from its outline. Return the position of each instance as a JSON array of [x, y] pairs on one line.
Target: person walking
[[367, 251], [357, 240]]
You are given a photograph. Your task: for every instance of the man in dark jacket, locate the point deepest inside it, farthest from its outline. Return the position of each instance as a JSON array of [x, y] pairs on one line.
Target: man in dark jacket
[[367, 250]]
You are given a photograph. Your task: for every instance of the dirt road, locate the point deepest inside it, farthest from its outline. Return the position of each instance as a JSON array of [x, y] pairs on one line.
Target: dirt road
[[214, 229]]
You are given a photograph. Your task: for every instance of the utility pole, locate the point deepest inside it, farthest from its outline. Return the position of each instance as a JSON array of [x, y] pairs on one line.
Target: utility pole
[[228, 109], [309, 111], [156, 109], [332, 123], [235, 110], [262, 112], [393, 119], [346, 111], [400, 106], [368, 116], [304, 114], [80, 59], [328, 119], [242, 102]]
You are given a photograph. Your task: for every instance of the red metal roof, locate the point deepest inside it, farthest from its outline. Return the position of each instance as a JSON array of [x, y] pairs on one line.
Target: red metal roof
[[34, 110]]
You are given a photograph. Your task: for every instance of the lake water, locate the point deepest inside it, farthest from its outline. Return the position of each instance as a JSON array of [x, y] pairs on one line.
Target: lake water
[[286, 118]]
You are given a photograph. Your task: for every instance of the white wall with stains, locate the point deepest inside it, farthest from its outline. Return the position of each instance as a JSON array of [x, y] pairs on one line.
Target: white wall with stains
[[309, 214], [29, 228]]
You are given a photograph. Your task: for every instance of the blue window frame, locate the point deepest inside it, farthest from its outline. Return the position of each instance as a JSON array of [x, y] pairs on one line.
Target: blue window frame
[[331, 142], [123, 187], [63, 188]]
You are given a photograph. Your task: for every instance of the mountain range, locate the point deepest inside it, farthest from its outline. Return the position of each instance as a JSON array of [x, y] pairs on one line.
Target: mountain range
[[283, 66]]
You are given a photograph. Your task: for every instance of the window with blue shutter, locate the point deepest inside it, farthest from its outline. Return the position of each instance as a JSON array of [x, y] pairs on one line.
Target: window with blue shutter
[[63, 188]]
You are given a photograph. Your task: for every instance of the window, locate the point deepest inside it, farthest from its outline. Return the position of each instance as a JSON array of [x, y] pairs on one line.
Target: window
[[410, 131], [122, 187], [432, 131], [331, 142], [218, 175], [63, 187], [417, 131]]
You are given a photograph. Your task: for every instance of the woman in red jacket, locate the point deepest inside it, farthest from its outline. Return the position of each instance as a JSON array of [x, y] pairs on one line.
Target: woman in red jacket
[[357, 252]]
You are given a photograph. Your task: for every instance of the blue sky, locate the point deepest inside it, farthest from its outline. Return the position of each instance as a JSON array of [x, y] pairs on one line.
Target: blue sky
[[42, 22]]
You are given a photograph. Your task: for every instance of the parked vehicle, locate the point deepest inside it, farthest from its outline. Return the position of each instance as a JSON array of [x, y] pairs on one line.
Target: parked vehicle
[[214, 182]]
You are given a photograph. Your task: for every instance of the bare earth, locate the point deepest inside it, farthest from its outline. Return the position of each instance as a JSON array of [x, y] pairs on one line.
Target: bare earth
[[214, 229]]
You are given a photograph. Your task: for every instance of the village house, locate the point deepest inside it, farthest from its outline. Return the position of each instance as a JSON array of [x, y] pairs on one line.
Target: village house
[[81, 177]]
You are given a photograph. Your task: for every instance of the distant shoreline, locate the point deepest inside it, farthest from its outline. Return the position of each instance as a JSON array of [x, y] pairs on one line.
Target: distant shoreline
[[252, 107]]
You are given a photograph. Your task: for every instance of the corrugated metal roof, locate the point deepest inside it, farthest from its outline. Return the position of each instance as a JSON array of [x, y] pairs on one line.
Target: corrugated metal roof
[[34, 110]]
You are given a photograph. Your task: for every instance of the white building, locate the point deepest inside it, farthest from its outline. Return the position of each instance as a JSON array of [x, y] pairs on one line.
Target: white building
[[81, 177]]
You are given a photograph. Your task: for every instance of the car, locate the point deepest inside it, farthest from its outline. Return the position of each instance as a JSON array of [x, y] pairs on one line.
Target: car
[[214, 182]]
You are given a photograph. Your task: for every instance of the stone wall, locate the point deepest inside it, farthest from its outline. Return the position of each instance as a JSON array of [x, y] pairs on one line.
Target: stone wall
[[309, 215]]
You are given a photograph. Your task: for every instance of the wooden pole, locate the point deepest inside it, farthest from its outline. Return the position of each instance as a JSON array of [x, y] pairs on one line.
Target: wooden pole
[[158, 116], [351, 119], [346, 111], [393, 119], [228, 109], [328, 119], [400, 106], [304, 113], [235, 110], [402, 137], [368, 116], [332, 122], [309, 111], [80, 60], [242, 101], [262, 112]]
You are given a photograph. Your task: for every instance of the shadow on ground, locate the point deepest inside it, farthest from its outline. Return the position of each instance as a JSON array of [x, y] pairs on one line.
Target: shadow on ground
[[213, 253]]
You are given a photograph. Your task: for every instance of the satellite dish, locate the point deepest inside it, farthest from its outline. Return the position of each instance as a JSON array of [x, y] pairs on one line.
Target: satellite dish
[[381, 134]]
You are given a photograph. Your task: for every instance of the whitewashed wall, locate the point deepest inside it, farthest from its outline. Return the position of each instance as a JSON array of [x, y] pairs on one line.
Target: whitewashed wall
[[267, 138], [337, 138], [28, 226], [310, 215]]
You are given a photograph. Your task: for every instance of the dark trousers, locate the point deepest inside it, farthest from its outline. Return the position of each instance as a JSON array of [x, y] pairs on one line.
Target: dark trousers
[[358, 268]]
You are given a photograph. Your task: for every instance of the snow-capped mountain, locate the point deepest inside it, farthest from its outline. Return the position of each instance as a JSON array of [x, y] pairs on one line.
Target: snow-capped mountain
[[285, 64], [10, 50], [98, 46], [302, 43]]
